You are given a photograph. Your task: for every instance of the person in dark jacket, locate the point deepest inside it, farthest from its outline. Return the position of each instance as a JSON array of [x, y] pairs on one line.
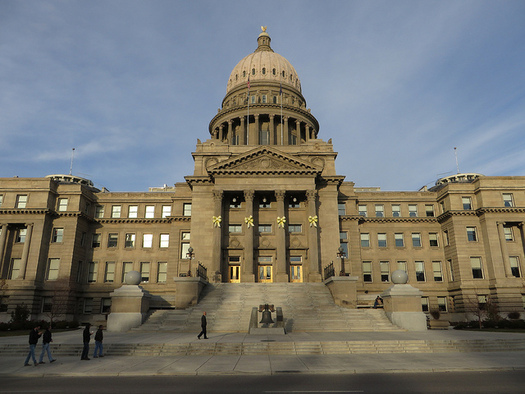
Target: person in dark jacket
[[46, 342], [34, 334], [203, 326], [99, 336], [86, 335]]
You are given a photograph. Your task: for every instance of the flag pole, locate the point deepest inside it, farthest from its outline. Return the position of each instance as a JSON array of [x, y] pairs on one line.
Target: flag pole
[[281, 94], [248, 115]]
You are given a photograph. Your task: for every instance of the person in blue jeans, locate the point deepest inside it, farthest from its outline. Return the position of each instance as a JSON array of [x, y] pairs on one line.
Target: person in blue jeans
[[46, 342], [86, 337], [99, 336], [34, 335]]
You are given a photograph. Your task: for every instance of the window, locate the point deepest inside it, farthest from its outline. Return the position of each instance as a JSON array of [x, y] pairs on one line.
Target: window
[[508, 200], [99, 211], [52, 269], [385, 271], [144, 272], [129, 240], [482, 302], [467, 203], [58, 235], [399, 240], [509, 237], [362, 210], [21, 235], [88, 305], [21, 201], [47, 304], [477, 271], [62, 204], [185, 237], [186, 209], [162, 272], [471, 234], [264, 137], [109, 273], [150, 211], [396, 210], [381, 240], [343, 242], [133, 211], [164, 240], [341, 208], [367, 271], [14, 271], [295, 228], [438, 271], [424, 304], [515, 266], [451, 270], [442, 304], [166, 211], [445, 235], [235, 202], [265, 228], [112, 240], [105, 305], [402, 265], [115, 211], [429, 210], [126, 267], [416, 240], [412, 210], [1, 200], [420, 271], [79, 271], [264, 97], [380, 211], [83, 239], [96, 240], [147, 240], [442, 206], [433, 239], [234, 228], [365, 240], [92, 272]]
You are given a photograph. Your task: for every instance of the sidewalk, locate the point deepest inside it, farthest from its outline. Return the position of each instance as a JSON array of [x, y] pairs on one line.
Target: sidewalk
[[268, 363]]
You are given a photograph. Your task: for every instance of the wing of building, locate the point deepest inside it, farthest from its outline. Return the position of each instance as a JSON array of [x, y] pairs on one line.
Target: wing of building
[[264, 204]]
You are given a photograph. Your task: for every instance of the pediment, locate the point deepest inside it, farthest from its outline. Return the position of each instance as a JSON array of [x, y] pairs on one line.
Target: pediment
[[263, 161]]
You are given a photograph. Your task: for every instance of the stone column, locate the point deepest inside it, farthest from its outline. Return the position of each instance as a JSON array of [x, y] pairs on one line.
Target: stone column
[[25, 252], [230, 132], [3, 235], [241, 140], [272, 130], [221, 127], [216, 263], [298, 131], [504, 250], [247, 268], [522, 235], [313, 246], [280, 236], [285, 130], [255, 134], [307, 132]]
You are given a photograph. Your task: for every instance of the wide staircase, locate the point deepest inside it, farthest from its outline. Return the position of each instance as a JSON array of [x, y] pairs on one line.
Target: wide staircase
[[306, 307]]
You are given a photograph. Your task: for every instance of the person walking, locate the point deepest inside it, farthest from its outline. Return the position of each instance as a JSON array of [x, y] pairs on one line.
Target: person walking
[[34, 335], [203, 326], [46, 343], [86, 335], [98, 343]]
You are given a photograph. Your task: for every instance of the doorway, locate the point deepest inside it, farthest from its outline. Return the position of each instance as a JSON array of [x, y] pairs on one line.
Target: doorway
[[296, 273], [235, 273], [265, 274]]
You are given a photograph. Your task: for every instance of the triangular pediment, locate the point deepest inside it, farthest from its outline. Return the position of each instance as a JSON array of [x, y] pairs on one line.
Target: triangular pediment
[[263, 161]]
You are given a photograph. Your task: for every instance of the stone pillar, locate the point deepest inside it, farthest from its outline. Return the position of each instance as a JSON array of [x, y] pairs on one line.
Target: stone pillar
[[25, 252], [280, 236], [298, 131], [285, 130], [230, 132], [522, 235], [272, 130], [241, 139], [504, 250], [247, 268], [307, 132], [216, 263], [313, 246], [255, 134], [3, 235], [221, 136]]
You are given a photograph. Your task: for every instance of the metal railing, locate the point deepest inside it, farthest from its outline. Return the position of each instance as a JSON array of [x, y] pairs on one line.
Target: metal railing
[[329, 271], [202, 272]]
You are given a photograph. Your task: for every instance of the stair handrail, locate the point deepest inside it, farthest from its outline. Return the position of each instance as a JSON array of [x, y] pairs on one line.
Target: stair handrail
[[202, 271], [329, 270]]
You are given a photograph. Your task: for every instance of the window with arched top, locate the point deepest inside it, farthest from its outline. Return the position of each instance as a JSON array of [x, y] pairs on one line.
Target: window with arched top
[[253, 71], [283, 74], [236, 77], [244, 73], [275, 99], [274, 71], [264, 71]]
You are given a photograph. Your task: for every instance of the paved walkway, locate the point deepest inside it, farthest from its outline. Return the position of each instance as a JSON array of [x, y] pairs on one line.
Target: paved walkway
[[269, 363]]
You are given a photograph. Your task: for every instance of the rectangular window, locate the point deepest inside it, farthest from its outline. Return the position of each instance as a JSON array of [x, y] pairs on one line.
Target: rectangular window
[[147, 240], [1, 200], [477, 269], [433, 239], [365, 240], [109, 273], [508, 200], [115, 211], [362, 210], [184, 246], [47, 304], [88, 306], [144, 272], [186, 209], [265, 228], [295, 228], [442, 304], [412, 210], [129, 241], [96, 240], [112, 240], [343, 238], [451, 270], [83, 238], [438, 271], [471, 234], [396, 210], [126, 267], [234, 228], [509, 237], [166, 211], [164, 240], [367, 271], [162, 272], [399, 240], [92, 272], [62, 205], [482, 301], [341, 208], [105, 305], [58, 235], [420, 271], [380, 211], [445, 235], [99, 211], [52, 269], [381, 240], [150, 212], [21, 201], [429, 210], [79, 272], [385, 271], [515, 266], [402, 265], [133, 211], [416, 240], [442, 205], [467, 203], [424, 304], [21, 235], [14, 271]]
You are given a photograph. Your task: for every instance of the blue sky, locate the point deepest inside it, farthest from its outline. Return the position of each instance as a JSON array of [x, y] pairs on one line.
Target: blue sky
[[132, 85]]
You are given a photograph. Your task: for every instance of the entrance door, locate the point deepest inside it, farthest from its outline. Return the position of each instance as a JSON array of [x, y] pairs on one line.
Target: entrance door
[[296, 273], [235, 273], [265, 274]]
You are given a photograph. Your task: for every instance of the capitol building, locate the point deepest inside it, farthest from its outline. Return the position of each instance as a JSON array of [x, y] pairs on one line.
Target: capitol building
[[264, 205]]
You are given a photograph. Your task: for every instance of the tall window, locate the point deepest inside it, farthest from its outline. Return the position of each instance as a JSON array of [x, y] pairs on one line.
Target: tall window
[[14, 271], [112, 240], [109, 274], [367, 271], [164, 240], [62, 204], [186, 209], [115, 211], [424, 304], [133, 211], [365, 240], [509, 237], [58, 235], [166, 211], [508, 200], [99, 211], [412, 210], [399, 240], [515, 266], [429, 210], [21, 201], [144, 272], [52, 269], [343, 242], [21, 235], [130, 240], [471, 234], [264, 137], [385, 271], [105, 305], [147, 240], [477, 269], [96, 241], [185, 244], [402, 265], [442, 304], [381, 240], [88, 306], [467, 203], [420, 271], [396, 210], [438, 271], [362, 210], [451, 270], [445, 235], [150, 211], [380, 211], [1, 200], [416, 240], [341, 208], [126, 267], [433, 239], [162, 272], [92, 271]]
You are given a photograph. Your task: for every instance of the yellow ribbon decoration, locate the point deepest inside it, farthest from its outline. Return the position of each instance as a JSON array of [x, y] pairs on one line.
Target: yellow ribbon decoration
[[217, 221], [313, 220], [249, 221], [281, 221]]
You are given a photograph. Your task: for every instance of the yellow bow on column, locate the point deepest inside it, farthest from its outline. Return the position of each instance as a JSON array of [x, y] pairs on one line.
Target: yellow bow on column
[[249, 221], [281, 221], [313, 220], [217, 221]]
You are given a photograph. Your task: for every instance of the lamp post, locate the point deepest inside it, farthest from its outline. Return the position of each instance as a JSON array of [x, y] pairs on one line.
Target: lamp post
[[341, 254], [190, 256]]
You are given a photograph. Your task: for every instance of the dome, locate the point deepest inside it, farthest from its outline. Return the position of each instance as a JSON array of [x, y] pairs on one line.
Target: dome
[[263, 65]]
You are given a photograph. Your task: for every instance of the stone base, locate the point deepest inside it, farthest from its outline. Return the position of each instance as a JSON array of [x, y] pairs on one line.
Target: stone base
[[343, 289], [121, 322], [411, 321], [267, 331]]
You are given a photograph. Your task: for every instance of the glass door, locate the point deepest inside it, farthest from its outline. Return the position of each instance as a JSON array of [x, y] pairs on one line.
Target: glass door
[[265, 274], [296, 273], [235, 273]]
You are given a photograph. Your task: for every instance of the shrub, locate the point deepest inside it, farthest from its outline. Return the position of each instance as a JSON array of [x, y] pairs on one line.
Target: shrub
[[514, 315]]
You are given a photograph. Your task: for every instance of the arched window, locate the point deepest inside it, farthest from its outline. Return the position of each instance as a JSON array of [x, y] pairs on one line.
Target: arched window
[[236, 77], [274, 71], [264, 71], [253, 71], [275, 99], [283, 74], [244, 74]]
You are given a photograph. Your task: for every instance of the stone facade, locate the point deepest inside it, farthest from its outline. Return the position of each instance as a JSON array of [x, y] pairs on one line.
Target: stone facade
[[264, 204]]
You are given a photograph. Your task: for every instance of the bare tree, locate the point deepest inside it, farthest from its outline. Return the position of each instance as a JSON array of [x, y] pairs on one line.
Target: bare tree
[[3, 290], [482, 306], [59, 304]]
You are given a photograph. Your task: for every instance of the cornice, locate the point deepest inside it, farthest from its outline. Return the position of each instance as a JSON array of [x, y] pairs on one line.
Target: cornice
[[26, 211], [479, 212], [362, 219], [167, 220]]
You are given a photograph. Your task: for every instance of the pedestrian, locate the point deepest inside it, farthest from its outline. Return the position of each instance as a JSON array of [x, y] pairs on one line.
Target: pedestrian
[[203, 326], [34, 335], [98, 343], [378, 303], [46, 343], [86, 335]]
